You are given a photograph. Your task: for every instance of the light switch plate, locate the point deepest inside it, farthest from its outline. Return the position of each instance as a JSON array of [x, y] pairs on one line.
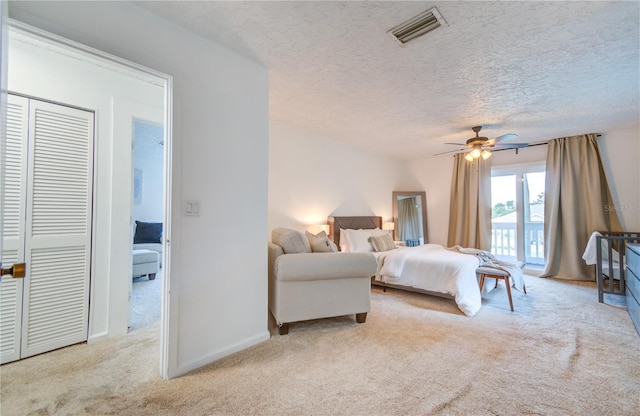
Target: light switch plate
[[191, 208]]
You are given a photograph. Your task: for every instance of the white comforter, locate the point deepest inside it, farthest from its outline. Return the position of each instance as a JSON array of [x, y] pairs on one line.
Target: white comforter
[[432, 267]]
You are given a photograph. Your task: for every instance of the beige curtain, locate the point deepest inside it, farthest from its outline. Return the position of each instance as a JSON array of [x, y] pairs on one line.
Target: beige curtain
[[576, 201], [470, 215]]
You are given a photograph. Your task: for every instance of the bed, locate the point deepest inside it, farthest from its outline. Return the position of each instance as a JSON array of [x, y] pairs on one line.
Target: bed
[[430, 268]]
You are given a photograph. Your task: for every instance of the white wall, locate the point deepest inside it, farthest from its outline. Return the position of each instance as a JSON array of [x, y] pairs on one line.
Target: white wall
[[218, 296], [151, 208], [528, 155], [148, 159], [620, 152], [313, 176], [434, 175], [38, 71]]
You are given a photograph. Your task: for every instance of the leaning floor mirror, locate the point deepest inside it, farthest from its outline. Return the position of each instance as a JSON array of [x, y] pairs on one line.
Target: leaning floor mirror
[[410, 217]]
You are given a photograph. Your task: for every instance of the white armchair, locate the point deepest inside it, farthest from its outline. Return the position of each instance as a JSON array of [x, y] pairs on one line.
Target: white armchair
[[305, 286], [148, 236]]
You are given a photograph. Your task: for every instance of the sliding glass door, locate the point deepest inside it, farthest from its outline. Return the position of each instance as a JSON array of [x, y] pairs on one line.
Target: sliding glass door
[[517, 220]]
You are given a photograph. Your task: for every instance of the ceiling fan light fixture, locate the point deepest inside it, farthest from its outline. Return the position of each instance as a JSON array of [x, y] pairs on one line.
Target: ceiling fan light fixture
[[477, 145]]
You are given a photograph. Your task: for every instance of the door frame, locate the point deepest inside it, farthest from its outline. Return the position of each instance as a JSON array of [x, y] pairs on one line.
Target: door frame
[[166, 81], [518, 170], [3, 102]]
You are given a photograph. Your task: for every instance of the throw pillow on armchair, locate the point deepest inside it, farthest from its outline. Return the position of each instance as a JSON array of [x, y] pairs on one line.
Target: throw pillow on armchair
[[148, 232]]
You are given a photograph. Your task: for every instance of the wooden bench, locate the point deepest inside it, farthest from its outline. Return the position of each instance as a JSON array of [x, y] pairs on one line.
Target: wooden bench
[[499, 274]]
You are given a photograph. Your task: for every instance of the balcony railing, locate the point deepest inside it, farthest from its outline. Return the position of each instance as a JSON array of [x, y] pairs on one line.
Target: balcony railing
[[503, 241]]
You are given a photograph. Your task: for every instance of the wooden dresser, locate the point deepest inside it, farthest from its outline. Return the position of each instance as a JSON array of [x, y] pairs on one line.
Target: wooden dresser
[[632, 278]]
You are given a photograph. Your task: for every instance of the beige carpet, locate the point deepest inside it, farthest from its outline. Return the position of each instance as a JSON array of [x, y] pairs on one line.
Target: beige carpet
[[559, 353], [145, 301]]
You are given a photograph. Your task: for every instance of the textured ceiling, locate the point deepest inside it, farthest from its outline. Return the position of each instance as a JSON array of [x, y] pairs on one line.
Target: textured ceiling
[[538, 69]]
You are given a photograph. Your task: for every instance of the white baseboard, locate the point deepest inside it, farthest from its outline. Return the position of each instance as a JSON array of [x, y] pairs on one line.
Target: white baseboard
[[221, 353], [97, 338]]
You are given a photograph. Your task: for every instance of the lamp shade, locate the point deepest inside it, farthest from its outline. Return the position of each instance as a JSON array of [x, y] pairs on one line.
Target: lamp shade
[[389, 226], [316, 229]]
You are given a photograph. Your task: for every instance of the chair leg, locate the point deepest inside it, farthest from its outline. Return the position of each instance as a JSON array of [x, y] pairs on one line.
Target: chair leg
[[283, 329], [524, 288], [507, 283]]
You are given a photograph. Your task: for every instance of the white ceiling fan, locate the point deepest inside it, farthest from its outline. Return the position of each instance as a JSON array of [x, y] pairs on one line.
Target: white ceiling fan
[[481, 146]]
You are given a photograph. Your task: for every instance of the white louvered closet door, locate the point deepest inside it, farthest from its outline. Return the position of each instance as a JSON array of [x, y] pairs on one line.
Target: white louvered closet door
[[13, 226], [57, 238]]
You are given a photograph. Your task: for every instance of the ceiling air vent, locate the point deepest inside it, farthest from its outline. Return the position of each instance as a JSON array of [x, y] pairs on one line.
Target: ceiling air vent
[[417, 26]]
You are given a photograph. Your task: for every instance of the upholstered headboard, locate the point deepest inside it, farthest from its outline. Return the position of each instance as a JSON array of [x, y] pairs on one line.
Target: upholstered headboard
[[354, 223]]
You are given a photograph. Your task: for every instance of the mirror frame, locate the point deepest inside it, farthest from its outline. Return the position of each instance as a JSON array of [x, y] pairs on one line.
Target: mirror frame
[[423, 196]]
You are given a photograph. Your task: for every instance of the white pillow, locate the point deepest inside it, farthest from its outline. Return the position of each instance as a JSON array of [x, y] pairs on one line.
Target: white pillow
[[378, 232], [344, 241], [359, 239], [291, 241]]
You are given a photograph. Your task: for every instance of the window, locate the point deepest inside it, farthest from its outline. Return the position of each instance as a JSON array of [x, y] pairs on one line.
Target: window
[[517, 214]]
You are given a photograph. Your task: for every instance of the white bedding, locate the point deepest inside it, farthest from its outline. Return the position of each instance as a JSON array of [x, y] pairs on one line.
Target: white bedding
[[432, 267]]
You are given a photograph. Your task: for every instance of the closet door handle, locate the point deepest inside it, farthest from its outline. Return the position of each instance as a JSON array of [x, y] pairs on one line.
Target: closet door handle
[[17, 270]]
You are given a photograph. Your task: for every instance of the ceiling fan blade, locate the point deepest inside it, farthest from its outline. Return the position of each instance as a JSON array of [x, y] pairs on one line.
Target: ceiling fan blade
[[458, 144], [509, 145], [498, 139], [450, 151]]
